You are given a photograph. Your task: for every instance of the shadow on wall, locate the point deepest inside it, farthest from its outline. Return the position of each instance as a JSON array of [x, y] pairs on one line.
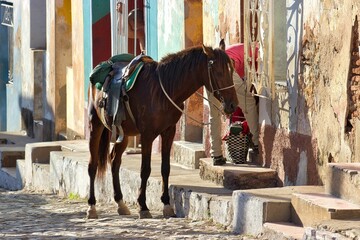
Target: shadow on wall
[[34, 122], [295, 156]]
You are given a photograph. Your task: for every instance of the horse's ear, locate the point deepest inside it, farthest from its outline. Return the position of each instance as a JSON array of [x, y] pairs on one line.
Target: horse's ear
[[208, 51], [222, 44]]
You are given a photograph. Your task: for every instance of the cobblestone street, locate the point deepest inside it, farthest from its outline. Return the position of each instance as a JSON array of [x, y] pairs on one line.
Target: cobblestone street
[[29, 215]]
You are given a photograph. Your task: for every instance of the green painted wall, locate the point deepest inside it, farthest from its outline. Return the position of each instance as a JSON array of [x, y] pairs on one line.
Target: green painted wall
[[100, 8], [170, 27]]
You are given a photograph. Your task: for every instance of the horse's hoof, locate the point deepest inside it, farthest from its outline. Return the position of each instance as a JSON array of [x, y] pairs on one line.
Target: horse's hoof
[[168, 211], [122, 208], [91, 213], [145, 214]]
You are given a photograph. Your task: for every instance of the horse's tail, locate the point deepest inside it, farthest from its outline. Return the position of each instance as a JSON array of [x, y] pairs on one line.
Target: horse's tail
[[104, 152]]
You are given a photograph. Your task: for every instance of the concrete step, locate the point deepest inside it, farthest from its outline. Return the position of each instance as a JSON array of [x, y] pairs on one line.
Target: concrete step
[[282, 231], [337, 229], [9, 155], [41, 172], [240, 176], [188, 154], [344, 181], [252, 208], [20, 172], [14, 139], [309, 209], [8, 178], [190, 196], [40, 153]]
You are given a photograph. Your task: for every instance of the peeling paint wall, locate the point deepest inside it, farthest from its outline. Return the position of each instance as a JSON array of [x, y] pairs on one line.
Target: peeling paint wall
[[58, 58], [315, 120], [170, 27], [4, 67], [221, 19], [13, 91]]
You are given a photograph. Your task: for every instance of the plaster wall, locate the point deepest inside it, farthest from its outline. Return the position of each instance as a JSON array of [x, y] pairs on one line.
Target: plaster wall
[[221, 19], [58, 58], [26, 60], [75, 75], [171, 27], [310, 122], [192, 130], [13, 91]]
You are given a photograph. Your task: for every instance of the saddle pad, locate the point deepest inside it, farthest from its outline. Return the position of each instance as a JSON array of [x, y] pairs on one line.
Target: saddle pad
[[132, 78], [99, 73]]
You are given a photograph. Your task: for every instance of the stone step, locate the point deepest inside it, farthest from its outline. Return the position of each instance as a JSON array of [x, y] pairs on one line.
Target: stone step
[[282, 230], [9, 155], [190, 196], [252, 208], [239, 176], [188, 154], [309, 209], [344, 181]]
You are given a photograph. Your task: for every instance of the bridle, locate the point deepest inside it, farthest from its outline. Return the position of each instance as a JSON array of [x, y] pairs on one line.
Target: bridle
[[217, 91]]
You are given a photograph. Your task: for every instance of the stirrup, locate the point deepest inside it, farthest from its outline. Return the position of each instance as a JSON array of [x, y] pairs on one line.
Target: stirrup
[[120, 138]]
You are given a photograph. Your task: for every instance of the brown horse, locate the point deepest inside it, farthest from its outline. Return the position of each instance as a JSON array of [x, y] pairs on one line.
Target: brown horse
[[159, 86]]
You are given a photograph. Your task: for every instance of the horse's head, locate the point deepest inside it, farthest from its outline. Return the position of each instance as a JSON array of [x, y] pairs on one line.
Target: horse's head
[[220, 81]]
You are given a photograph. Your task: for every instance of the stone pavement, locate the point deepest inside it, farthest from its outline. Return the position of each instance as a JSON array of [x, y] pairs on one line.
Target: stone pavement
[[29, 215]]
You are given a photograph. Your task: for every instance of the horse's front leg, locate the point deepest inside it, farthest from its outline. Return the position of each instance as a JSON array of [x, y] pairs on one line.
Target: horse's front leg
[[116, 154], [145, 171], [167, 138]]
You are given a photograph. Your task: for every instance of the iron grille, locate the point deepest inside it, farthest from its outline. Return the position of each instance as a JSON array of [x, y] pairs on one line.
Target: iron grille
[[7, 14]]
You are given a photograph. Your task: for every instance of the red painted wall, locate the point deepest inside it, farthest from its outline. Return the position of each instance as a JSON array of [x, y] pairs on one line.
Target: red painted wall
[[101, 31]]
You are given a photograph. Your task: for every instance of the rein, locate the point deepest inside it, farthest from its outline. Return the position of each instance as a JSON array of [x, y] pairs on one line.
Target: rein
[[210, 63]]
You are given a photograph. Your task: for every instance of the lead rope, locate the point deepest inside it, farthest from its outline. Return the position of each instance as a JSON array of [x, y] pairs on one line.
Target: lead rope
[[178, 108], [210, 102]]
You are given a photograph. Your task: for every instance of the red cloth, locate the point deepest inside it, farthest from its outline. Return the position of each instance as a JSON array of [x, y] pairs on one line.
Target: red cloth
[[236, 53], [238, 115]]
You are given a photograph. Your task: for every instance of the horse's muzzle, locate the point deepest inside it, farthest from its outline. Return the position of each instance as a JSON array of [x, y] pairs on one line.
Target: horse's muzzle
[[229, 108]]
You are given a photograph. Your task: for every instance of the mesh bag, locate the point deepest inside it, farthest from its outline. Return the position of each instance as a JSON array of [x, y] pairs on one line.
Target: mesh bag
[[236, 147]]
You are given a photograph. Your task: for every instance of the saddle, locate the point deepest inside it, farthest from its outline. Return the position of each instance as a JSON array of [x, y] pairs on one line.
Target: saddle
[[114, 89]]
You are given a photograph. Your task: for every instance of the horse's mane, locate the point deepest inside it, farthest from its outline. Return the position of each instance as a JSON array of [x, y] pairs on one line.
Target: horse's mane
[[176, 66]]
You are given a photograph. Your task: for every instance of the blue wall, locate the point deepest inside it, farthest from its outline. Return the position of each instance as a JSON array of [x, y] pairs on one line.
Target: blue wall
[[13, 93]]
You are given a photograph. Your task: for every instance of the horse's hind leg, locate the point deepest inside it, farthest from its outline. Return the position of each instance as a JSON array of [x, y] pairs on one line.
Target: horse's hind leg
[[146, 145], [94, 142], [116, 154], [167, 138]]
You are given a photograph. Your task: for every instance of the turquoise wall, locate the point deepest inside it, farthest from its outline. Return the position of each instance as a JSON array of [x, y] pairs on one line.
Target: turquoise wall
[[4, 66], [171, 27], [87, 45], [151, 29]]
